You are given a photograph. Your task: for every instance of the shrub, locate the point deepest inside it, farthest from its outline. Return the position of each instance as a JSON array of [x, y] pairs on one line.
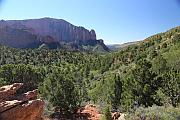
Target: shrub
[[107, 114], [155, 113]]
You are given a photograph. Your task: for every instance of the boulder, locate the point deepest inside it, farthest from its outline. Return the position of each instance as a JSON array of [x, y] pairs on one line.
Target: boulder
[[9, 90], [122, 117], [19, 107], [116, 115]]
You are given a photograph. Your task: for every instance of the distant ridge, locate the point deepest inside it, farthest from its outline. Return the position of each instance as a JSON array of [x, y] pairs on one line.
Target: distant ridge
[[115, 47]]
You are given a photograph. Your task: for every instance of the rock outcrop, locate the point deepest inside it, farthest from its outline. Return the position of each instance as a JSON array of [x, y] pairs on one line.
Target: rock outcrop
[[19, 38], [59, 29], [19, 107], [88, 112], [118, 116], [33, 33]]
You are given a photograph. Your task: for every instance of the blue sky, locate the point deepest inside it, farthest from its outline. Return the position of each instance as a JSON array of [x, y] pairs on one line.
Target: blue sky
[[115, 21]]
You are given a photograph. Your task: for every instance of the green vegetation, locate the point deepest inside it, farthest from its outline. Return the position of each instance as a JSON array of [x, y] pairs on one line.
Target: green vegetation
[[60, 90], [144, 74], [155, 113], [107, 114]]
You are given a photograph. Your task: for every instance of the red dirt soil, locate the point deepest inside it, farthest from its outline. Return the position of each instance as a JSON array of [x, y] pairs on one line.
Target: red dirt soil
[[89, 112]]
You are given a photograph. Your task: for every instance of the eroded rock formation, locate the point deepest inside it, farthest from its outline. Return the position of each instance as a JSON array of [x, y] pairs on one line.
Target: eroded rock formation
[[59, 29], [53, 32], [19, 107]]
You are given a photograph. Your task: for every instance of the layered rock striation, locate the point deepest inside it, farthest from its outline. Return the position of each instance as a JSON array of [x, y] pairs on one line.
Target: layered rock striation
[[54, 33], [59, 29], [19, 107]]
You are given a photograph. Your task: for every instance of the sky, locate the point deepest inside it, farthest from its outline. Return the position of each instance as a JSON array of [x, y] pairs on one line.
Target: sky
[[115, 21]]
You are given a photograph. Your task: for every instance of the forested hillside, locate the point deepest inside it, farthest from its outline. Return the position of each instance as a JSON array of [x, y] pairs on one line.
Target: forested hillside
[[144, 74]]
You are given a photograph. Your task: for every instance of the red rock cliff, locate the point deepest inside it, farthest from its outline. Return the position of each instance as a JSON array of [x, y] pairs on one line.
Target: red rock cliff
[[59, 29]]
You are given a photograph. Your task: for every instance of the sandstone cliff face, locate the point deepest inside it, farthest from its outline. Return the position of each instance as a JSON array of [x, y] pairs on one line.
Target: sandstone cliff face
[[55, 33], [59, 29], [19, 38], [19, 107]]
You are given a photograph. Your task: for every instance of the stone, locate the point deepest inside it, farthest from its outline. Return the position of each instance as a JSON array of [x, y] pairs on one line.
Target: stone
[[122, 117], [116, 115], [7, 91], [19, 107], [31, 110]]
